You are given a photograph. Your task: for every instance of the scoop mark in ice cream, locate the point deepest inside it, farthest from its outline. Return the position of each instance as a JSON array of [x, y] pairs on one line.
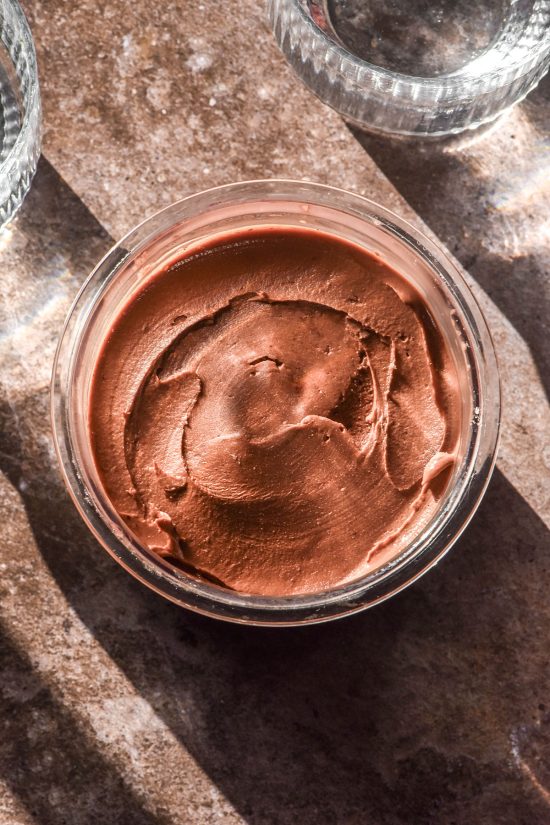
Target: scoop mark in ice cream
[[275, 412]]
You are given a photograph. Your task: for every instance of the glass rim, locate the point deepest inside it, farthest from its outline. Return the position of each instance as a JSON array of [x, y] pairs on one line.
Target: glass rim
[[422, 552]]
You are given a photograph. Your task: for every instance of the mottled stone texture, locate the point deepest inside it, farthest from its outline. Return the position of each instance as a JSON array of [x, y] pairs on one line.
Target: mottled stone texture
[[116, 707]]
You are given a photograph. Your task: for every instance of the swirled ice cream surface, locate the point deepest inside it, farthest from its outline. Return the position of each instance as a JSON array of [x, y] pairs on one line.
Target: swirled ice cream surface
[[275, 413]]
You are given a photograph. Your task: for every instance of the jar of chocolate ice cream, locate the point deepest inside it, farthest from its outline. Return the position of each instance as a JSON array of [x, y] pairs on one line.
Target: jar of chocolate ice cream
[[276, 402]]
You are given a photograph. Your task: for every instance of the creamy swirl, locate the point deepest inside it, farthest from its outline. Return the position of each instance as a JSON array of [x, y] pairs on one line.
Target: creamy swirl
[[275, 412]]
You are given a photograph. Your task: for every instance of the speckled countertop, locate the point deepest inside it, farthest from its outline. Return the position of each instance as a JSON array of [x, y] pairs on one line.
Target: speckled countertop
[[117, 707]]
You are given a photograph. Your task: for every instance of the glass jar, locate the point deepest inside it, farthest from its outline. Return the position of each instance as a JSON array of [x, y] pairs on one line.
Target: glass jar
[[198, 218], [415, 67], [20, 110]]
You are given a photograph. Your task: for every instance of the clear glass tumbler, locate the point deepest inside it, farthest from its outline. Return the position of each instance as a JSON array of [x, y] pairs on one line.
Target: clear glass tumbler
[[166, 236], [416, 67], [20, 110]]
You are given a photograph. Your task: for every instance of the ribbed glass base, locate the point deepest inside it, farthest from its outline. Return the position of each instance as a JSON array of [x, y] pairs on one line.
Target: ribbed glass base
[[416, 67], [19, 109]]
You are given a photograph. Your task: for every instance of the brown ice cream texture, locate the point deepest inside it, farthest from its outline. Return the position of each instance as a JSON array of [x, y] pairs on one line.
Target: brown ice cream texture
[[275, 413]]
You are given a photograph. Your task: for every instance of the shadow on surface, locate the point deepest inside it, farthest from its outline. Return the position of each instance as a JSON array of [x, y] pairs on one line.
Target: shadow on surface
[[488, 202], [47, 760], [419, 711]]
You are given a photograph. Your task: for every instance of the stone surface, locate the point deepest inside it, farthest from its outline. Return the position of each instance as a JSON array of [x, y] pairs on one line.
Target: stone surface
[[117, 707]]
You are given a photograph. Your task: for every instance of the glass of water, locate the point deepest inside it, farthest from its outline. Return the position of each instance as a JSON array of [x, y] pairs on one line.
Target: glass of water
[[19, 109], [416, 67]]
